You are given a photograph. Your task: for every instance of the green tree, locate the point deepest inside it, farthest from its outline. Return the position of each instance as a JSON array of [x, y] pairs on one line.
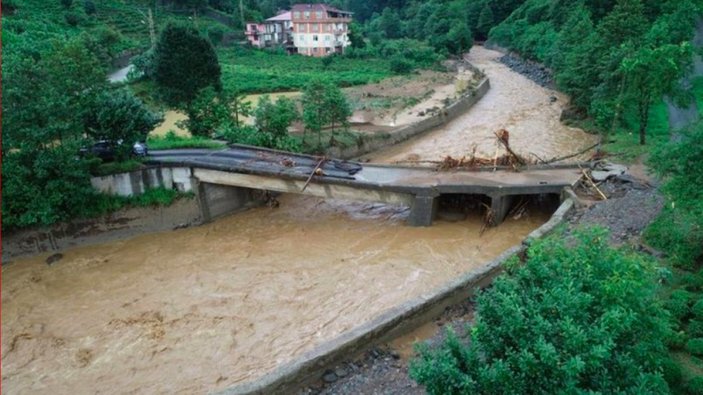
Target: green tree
[[576, 52], [89, 7], [324, 104], [338, 110], [389, 23], [356, 39], [485, 21], [652, 72], [577, 317], [185, 63], [41, 187], [238, 107], [460, 39], [120, 117], [274, 118], [679, 228], [45, 96], [206, 113], [314, 110]]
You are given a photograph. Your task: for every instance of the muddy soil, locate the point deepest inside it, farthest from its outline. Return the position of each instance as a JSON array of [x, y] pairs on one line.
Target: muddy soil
[[404, 100]]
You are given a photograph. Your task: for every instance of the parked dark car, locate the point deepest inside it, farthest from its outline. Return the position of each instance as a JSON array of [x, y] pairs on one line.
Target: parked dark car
[[107, 151]]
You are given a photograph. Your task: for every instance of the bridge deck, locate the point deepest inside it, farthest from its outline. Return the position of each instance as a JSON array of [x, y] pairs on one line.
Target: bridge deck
[[413, 180]]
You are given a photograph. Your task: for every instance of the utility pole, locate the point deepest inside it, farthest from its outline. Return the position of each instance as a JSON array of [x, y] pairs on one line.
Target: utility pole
[[149, 16]]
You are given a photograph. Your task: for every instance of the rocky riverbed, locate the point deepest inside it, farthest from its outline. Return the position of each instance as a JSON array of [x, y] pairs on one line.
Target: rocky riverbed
[[534, 71]]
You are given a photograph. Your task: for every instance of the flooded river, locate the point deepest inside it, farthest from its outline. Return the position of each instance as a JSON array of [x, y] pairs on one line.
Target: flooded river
[[200, 309], [529, 112]]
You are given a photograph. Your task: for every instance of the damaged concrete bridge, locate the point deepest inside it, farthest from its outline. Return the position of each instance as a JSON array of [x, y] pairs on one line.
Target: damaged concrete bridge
[[226, 178]]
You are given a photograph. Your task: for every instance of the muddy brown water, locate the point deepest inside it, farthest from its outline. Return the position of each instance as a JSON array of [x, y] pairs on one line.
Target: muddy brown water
[[513, 103], [200, 309]]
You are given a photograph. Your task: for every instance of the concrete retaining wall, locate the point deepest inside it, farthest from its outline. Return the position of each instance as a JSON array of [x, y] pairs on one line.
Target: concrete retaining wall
[[379, 141], [136, 182], [393, 323]]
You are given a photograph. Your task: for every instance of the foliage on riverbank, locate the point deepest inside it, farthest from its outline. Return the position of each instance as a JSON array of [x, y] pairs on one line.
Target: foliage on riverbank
[[578, 316], [679, 229], [678, 232], [611, 57]]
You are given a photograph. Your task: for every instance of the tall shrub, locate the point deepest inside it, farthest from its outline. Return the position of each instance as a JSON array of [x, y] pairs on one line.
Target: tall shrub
[[578, 317]]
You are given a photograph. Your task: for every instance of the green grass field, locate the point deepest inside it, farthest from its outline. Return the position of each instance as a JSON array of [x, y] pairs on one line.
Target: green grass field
[[256, 71], [37, 22]]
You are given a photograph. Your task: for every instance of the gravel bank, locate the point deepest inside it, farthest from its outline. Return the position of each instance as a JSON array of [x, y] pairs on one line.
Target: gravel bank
[[536, 72]]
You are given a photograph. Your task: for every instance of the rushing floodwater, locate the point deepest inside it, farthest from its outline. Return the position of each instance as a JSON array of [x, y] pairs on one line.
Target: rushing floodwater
[[513, 103], [200, 309]]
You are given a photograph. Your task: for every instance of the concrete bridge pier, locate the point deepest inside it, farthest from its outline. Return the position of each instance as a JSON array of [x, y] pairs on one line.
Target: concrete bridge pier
[[423, 210], [216, 200], [500, 206]]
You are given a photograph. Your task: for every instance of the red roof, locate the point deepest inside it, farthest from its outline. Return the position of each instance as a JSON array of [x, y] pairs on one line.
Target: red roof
[[285, 16], [317, 7]]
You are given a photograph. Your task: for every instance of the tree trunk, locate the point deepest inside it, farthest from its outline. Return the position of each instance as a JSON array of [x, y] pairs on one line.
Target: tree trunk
[[241, 13], [644, 120]]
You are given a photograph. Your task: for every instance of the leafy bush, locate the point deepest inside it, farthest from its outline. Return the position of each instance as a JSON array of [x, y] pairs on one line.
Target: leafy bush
[[118, 116], [697, 309], [89, 7], [72, 19], [695, 386], [42, 187], [679, 304], [103, 169], [67, 3], [695, 328], [695, 346], [579, 316], [401, 66], [672, 372], [215, 34], [173, 141], [679, 228]]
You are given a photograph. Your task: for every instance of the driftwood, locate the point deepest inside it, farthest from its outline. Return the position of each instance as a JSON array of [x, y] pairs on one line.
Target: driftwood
[[504, 138], [557, 159], [314, 171], [593, 184]]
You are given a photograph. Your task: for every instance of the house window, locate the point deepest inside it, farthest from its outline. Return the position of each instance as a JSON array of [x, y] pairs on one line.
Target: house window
[[307, 14], [327, 37], [318, 14], [296, 15], [301, 38], [315, 27], [314, 38]]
